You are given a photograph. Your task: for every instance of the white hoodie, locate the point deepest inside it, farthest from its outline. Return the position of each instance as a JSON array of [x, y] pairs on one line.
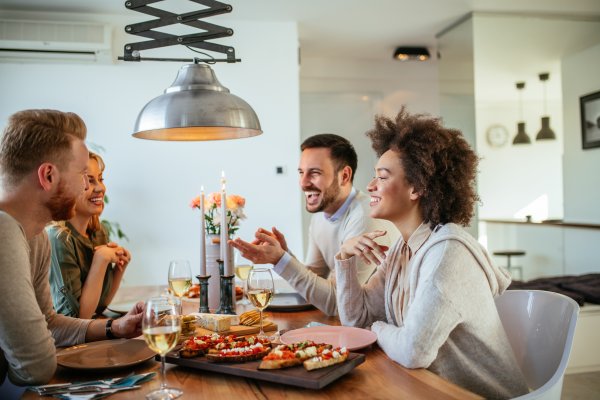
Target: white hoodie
[[451, 325]]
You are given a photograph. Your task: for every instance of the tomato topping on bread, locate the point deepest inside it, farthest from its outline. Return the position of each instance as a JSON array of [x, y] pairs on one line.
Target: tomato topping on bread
[[318, 355], [215, 343], [252, 352], [327, 358]]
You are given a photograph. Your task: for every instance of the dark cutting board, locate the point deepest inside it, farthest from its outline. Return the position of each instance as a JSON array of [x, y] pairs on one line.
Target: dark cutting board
[[295, 376]]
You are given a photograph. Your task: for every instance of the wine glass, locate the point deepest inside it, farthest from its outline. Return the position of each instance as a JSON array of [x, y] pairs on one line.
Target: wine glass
[[180, 277], [260, 292], [243, 266], [161, 326]]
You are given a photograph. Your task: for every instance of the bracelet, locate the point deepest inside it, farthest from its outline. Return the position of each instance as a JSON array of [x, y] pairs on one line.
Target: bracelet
[[109, 332]]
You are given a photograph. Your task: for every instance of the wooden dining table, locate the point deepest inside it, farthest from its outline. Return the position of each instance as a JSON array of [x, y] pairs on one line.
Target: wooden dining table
[[377, 378]]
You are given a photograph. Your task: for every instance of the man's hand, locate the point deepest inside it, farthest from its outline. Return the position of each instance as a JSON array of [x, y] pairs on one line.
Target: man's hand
[[130, 324], [274, 234], [266, 249]]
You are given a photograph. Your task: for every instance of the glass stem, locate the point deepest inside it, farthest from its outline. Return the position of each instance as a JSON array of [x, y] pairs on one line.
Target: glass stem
[[261, 323], [163, 381]]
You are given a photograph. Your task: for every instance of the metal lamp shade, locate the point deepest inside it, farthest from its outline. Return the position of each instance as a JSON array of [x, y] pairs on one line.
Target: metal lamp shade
[[196, 107], [546, 133], [521, 137]]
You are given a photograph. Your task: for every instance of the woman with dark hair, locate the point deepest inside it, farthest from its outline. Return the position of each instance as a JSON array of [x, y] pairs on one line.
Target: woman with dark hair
[[86, 270], [431, 300]]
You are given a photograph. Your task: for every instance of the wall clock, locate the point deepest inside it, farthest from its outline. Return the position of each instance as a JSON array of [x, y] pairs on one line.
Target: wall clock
[[497, 135]]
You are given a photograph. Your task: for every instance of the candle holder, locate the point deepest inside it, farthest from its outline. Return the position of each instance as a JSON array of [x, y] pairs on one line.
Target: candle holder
[[203, 293], [226, 302], [221, 266]]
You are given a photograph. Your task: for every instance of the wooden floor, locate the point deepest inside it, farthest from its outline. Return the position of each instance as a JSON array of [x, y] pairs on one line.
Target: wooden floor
[[581, 386]]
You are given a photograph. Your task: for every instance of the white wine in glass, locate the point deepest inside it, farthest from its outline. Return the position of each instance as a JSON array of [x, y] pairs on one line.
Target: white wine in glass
[[180, 277], [161, 326], [260, 292], [242, 272]]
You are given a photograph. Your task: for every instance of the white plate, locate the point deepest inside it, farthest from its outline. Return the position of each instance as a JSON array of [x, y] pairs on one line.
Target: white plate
[[105, 354], [338, 336], [121, 308]]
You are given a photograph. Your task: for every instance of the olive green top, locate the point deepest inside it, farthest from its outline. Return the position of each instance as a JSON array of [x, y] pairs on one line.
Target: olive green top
[[72, 255]]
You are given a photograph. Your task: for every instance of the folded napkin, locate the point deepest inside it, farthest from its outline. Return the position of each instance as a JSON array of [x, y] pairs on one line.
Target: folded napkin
[[93, 389]]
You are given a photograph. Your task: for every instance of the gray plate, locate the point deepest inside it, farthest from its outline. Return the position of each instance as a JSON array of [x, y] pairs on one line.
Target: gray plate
[[289, 302]]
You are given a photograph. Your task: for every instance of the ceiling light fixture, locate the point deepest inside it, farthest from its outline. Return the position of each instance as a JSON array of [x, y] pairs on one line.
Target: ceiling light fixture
[[196, 106], [411, 53], [546, 133], [521, 137]]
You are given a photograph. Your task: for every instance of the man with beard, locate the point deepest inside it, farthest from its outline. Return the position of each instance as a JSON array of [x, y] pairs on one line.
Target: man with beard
[[327, 166], [43, 163]]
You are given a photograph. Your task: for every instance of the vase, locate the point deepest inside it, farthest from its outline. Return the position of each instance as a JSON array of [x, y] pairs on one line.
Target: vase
[[213, 253]]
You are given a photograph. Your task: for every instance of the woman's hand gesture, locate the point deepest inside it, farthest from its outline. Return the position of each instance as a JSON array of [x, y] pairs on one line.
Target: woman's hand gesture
[[365, 247]]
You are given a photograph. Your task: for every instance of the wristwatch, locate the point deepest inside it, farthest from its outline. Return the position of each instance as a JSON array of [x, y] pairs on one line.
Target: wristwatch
[[109, 332]]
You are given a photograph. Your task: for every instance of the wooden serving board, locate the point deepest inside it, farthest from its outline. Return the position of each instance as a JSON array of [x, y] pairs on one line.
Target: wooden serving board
[[295, 376], [241, 330]]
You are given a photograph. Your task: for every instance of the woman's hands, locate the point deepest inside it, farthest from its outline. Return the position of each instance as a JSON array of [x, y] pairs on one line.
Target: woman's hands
[[113, 253], [92, 287], [365, 247]]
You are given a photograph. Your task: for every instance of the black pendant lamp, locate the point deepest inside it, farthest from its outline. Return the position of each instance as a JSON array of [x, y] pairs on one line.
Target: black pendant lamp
[[521, 137], [546, 133]]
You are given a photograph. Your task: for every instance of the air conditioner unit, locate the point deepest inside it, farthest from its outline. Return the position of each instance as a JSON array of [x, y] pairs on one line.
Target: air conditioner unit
[[50, 41]]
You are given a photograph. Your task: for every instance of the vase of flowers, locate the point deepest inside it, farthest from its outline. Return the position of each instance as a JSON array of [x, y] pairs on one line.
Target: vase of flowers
[[212, 212], [212, 225]]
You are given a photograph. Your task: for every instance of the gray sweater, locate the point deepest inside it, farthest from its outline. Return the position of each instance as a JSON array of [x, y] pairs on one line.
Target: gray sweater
[[29, 326], [451, 326]]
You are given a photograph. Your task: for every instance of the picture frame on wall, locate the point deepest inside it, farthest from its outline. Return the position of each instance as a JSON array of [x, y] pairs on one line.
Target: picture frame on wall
[[590, 120]]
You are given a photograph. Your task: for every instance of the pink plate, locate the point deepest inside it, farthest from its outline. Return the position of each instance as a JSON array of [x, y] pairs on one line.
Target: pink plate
[[338, 336]]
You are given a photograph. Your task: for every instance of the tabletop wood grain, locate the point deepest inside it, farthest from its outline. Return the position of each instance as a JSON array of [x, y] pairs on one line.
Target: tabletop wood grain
[[377, 378]]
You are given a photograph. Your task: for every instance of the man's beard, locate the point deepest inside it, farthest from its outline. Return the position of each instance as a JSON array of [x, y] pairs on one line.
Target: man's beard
[[61, 207], [329, 196]]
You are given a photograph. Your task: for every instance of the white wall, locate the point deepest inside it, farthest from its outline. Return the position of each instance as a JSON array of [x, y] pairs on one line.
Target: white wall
[[412, 83], [150, 184], [582, 181], [456, 85]]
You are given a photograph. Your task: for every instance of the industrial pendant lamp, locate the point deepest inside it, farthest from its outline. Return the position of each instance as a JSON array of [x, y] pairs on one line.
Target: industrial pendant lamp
[[521, 137], [546, 133], [196, 106]]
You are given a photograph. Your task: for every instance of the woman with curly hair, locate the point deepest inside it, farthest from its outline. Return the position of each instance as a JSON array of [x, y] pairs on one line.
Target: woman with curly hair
[[86, 270], [431, 299]]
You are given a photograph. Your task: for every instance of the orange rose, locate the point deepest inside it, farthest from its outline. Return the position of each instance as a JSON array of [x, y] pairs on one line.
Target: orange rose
[[195, 203], [235, 201], [213, 198]]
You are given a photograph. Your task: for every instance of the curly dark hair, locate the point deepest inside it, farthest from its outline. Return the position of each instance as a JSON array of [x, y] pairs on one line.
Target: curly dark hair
[[437, 161]]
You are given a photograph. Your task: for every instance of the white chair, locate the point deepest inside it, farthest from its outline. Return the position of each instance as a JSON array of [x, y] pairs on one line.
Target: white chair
[[540, 327]]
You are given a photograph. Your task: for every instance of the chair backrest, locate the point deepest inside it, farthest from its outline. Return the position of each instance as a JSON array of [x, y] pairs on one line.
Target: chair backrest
[[540, 327]]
